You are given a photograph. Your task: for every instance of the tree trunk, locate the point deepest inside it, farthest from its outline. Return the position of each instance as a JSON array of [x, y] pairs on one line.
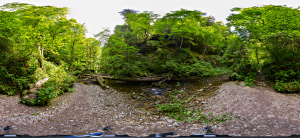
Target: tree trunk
[[145, 41], [181, 43], [256, 52], [72, 56], [273, 54], [101, 82], [40, 56], [143, 79]]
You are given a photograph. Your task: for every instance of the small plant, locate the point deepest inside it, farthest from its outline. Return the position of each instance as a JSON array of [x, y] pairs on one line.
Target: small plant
[[35, 114], [250, 81], [178, 110], [289, 87], [44, 95]]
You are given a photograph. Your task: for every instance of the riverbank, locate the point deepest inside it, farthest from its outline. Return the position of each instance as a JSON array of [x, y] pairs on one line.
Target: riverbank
[[89, 109], [263, 111]]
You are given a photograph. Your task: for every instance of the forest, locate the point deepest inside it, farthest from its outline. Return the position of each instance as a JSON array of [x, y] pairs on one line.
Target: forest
[[39, 42]]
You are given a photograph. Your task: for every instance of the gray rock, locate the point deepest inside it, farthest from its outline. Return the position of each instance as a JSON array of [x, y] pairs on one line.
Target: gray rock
[[176, 124], [158, 102], [133, 96], [200, 90], [170, 120]]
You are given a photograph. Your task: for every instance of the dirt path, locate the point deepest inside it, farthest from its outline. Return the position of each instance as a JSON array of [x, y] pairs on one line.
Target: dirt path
[[87, 110], [263, 112]]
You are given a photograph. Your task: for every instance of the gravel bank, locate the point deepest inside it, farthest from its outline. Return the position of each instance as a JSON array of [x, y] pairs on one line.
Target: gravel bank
[[88, 110], [263, 111]]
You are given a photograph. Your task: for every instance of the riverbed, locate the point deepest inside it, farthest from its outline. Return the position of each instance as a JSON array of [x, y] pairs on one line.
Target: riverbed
[[89, 109]]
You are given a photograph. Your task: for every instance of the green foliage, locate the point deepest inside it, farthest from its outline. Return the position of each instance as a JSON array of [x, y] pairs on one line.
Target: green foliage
[[44, 95], [235, 76], [147, 45], [179, 110], [11, 83], [59, 78], [76, 72], [267, 41], [250, 81], [58, 83], [287, 87]]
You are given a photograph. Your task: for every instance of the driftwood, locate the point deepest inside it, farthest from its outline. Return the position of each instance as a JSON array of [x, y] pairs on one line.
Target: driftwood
[[100, 81], [141, 79]]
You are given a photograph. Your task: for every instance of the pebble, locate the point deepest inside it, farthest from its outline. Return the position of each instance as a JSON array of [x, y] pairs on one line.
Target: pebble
[[157, 102], [170, 120], [200, 90], [176, 124], [161, 122]]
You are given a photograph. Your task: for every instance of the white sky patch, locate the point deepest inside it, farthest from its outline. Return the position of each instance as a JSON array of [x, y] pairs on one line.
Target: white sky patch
[[97, 14]]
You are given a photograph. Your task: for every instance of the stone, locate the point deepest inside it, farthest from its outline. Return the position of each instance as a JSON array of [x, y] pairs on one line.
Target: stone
[[200, 90], [133, 96], [158, 102], [170, 120], [176, 124], [161, 122]]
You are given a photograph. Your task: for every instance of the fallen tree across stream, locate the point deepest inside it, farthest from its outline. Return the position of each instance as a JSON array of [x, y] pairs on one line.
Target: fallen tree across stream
[[101, 82], [140, 79], [100, 79]]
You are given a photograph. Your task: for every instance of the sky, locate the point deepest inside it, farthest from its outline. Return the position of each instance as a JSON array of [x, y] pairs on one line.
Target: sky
[[97, 14]]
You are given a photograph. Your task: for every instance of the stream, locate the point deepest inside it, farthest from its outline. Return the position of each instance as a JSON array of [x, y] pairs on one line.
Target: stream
[[148, 96], [205, 86]]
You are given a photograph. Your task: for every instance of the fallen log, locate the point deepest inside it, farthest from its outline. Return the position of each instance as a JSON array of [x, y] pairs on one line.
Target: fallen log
[[141, 79], [100, 81]]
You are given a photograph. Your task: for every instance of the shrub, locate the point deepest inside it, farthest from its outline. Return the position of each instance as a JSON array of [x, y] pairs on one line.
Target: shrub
[[11, 83], [38, 74], [45, 95], [288, 87], [76, 72], [249, 81], [59, 82]]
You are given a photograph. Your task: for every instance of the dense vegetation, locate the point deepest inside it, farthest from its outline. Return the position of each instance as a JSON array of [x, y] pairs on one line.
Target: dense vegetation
[[39, 41], [178, 44], [269, 40], [186, 43]]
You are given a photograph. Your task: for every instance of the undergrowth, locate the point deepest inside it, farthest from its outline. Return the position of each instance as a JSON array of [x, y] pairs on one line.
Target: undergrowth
[[179, 110], [59, 82]]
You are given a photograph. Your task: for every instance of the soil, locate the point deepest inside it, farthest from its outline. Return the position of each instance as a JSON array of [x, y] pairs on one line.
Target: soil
[[89, 109]]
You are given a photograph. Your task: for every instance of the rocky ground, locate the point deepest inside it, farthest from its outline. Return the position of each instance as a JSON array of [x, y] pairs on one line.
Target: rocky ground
[[263, 111], [89, 109]]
